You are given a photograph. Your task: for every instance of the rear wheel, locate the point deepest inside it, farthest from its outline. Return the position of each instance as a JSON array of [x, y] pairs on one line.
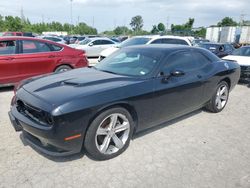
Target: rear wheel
[[63, 68], [219, 99], [109, 134]]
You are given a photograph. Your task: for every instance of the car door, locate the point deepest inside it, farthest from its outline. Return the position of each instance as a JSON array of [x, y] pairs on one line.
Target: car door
[[35, 58], [94, 48], [8, 65], [177, 94]]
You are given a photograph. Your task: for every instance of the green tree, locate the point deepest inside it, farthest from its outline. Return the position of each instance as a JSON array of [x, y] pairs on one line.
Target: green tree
[[136, 23], [227, 21], [154, 30], [121, 30], [184, 29], [161, 27], [13, 23]]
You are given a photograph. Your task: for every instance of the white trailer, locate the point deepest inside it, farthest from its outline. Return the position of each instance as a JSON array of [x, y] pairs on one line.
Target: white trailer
[[245, 35], [213, 34], [227, 34]]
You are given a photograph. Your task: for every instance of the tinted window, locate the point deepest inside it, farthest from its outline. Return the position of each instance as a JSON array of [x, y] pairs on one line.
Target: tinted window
[[201, 59], [184, 61], [30, 46], [97, 42], [134, 41], [107, 42], [52, 39], [18, 34], [56, 48], [7, 47], [170, 41]]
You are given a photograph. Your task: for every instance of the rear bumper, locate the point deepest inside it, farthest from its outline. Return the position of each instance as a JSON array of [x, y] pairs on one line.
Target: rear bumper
[[48, 140]]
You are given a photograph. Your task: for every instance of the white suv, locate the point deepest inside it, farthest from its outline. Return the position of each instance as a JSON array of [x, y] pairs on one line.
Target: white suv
[[148, 39]]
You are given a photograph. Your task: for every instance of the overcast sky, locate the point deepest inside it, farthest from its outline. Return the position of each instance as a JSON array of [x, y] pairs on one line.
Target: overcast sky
[[106, 14]]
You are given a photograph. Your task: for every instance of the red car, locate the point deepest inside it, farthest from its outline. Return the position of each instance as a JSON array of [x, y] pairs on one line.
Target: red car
[[24, 57]]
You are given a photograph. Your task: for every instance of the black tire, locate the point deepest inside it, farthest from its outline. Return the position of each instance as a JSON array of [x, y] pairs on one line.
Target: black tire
[[63, 68], [90, 138], [211, 106]]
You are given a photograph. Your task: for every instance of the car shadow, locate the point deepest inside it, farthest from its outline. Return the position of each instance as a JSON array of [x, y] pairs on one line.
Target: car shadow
[[247, 84], [6, 89], [55, 159]]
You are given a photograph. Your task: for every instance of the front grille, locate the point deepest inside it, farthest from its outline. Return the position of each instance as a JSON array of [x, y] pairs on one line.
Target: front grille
[[34, 113]]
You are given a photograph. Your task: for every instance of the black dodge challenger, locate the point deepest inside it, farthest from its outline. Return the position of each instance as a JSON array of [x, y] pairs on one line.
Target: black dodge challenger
[[100, 108]]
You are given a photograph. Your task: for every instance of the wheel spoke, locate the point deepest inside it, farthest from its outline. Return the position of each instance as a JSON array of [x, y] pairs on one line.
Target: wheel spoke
[[223, 97], [222, 91], [102, 131], [113, 120], [105, 144], [219, 104], [122, 127], [117, 141]]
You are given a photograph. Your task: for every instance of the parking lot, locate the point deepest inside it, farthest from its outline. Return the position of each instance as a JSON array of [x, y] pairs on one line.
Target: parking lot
[[198, 150]]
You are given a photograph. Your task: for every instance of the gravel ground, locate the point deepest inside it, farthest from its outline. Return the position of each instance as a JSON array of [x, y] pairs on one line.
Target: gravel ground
[[198, 150]]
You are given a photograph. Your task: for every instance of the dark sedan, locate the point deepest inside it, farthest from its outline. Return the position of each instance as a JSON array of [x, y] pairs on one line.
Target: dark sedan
[[219, 49], [100, 108]]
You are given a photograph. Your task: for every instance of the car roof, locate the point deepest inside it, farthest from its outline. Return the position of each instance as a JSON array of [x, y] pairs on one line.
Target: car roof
[[99, 38], [31, 38], [169, 47]]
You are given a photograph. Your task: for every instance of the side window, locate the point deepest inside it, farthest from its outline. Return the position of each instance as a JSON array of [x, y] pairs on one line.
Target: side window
[[107, 42], [18, 34], [7, 47], [174, 41], [157, 41], [201, 59], [183, 61], [34, 47], [56, 48], [182, 42], [97, 42]]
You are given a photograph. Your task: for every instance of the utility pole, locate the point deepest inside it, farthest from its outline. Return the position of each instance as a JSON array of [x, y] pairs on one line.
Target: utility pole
[[167, 24], [242, 16], [71, 17]]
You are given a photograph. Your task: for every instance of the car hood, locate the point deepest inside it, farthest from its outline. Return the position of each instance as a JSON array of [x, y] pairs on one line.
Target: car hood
[[241, 60], [59, 88]]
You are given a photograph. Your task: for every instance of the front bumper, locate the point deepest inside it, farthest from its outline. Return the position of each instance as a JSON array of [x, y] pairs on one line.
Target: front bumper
[[47, 140], [245, 74]]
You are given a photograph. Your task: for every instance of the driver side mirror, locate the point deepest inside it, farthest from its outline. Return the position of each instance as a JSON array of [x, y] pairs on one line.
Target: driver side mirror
[[91, 44]]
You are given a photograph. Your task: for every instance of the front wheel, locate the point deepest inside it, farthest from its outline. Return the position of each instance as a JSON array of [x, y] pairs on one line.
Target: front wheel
[[109, 134], [219, 99]]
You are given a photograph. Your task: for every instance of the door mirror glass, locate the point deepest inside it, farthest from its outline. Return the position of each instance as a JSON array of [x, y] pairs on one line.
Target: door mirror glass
[[91, 44]]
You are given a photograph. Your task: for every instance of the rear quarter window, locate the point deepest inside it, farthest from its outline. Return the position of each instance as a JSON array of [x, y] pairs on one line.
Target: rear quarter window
[[7, 47]]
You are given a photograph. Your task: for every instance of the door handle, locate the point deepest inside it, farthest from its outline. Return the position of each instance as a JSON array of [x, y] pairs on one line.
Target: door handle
[[51, 56], [199, 76]]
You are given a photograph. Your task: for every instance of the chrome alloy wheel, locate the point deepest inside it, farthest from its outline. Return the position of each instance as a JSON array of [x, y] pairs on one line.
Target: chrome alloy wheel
[[112, 133], [221, 97]]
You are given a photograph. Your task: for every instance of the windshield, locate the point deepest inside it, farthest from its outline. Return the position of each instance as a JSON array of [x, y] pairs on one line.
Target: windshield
[[85, 41], [134, 41], [131, 62], [245, 51]]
